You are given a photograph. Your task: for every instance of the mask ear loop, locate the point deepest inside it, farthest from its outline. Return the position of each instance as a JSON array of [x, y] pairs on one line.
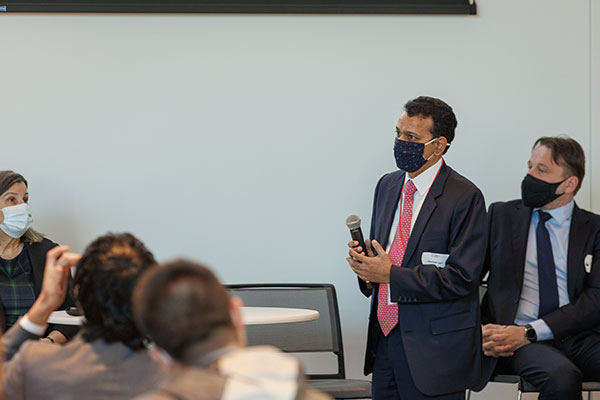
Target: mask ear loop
[[563, 181], [432, 140]]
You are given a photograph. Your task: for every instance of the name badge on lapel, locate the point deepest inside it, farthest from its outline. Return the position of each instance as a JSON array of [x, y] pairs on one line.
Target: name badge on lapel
[[587, 263], [437, 259]]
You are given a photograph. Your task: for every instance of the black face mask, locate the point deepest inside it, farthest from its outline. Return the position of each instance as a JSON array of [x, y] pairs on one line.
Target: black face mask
[[537, 193]]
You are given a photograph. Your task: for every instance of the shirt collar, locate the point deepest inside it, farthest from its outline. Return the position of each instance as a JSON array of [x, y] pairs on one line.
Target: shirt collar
[[561, 214], [214, 355], [425, 179]]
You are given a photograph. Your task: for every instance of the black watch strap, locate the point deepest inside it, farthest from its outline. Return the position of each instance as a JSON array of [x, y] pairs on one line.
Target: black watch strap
[[530, 333]]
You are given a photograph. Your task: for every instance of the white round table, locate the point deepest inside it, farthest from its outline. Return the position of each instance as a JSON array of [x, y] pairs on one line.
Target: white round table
[[250, 315], [276, 315], [61, 317]]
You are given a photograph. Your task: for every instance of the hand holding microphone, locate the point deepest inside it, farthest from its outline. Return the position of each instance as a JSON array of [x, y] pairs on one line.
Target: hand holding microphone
[[353, 223], [366, 265]]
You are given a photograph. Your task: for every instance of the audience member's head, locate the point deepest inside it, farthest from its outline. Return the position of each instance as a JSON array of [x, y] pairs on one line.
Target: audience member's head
[[104, 280], [184, 310], [567, 153], [14, 192], [444, 120]]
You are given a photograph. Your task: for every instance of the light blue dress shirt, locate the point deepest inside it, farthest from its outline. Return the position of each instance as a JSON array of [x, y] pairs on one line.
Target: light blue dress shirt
[[558, 227]]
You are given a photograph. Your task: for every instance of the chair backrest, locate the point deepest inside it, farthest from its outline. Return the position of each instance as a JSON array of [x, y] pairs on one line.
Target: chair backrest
[[320, 335]]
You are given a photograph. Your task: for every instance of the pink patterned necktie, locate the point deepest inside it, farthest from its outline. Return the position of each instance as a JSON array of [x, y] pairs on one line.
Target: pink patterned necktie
[[387, 314]]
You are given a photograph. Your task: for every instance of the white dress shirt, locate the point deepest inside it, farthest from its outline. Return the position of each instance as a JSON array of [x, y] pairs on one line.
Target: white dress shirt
[[423, 183]]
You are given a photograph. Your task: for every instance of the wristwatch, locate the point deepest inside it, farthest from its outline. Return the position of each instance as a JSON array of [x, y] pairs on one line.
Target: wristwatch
[[530, 333]]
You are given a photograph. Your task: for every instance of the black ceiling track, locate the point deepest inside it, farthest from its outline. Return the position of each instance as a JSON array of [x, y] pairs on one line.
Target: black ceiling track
[[464, 7]]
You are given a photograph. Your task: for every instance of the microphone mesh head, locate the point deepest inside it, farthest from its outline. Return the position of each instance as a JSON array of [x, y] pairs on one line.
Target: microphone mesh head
[[353, 221]]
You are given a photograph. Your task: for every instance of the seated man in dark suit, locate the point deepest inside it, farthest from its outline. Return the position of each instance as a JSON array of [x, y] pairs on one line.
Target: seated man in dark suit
[[198, 332], [107, 359], [541, 313]]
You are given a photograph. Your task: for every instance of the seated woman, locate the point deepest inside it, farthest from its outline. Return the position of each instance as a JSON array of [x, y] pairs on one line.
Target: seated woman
[[22, 257]]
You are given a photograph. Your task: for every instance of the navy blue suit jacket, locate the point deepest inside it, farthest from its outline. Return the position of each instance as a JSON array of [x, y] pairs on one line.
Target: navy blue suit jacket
[[438, 308], [505, 261]]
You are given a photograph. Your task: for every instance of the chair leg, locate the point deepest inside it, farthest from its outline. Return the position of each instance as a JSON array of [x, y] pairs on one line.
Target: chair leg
[[520, 395], [589, 395], [469, 394]]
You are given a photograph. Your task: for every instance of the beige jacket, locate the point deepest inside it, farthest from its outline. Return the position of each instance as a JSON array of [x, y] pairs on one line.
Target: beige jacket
[[77, 370], [254, 373]]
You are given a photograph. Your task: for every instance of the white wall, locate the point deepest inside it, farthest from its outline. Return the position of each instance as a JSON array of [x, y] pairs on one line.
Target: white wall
[[245, 141]]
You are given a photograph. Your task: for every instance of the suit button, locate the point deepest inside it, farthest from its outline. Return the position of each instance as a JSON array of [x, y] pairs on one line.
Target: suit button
[[517, 300]]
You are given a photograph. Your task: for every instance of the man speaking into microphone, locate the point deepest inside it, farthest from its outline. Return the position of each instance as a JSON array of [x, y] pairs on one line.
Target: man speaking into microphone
[[423, 260]]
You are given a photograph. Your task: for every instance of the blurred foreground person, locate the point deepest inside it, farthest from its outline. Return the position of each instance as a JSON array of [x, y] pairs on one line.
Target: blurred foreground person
[[198, 332], [107, 359]]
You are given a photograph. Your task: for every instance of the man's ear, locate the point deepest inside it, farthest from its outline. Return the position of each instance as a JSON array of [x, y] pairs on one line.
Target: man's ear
[[440, 146], [160, 356], [571, 184], [235, 310]]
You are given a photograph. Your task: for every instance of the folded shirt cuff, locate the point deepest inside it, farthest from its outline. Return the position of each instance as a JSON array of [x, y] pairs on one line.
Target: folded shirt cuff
[[31, 327], [542, 330]]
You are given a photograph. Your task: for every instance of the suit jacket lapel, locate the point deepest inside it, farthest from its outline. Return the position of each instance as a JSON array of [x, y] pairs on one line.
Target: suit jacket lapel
[[389, 210], [427, 208], [521, 219], [578, 234]]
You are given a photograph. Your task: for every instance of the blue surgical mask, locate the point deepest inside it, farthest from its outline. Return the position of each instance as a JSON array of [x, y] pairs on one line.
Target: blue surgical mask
[[409, 155], [17, 219]]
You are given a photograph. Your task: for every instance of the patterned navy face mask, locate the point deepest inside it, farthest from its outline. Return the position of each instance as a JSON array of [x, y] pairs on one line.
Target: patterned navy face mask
[[409, 155]]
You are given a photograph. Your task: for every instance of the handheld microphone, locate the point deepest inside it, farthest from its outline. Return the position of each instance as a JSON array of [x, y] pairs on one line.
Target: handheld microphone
[[353, 223]]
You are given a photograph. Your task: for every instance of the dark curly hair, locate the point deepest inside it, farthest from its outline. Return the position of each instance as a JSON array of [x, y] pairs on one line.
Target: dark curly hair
[[444, 120], [104, 280], [181, 304]]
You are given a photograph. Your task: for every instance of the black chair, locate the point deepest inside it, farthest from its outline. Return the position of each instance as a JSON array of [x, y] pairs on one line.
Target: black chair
[[322, 335], [525, 387]]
